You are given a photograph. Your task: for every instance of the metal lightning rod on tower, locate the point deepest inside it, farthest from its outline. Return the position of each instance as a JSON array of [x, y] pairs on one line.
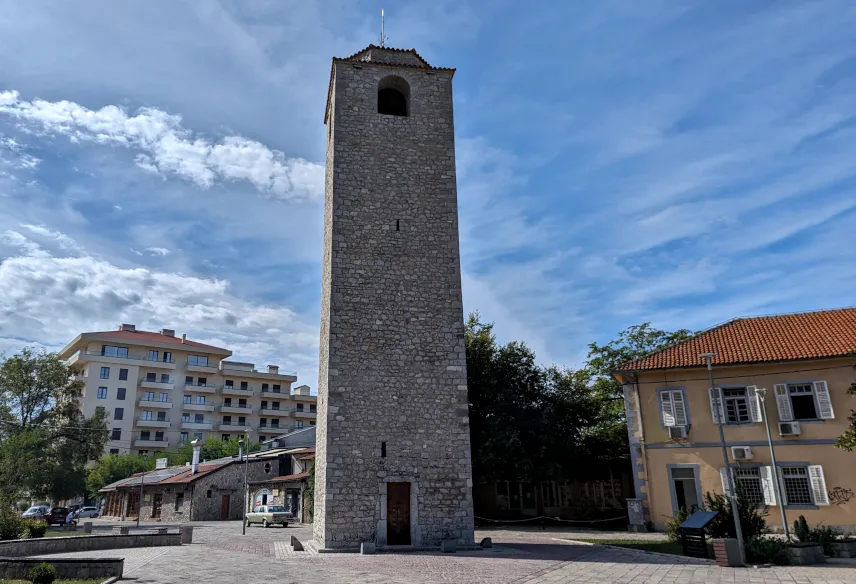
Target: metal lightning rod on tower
[[382, 35]]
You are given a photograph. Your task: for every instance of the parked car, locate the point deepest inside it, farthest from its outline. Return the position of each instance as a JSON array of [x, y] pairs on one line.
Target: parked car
[[84, 512], [57, 515], [74, 508], [269, 515], [36, 512]]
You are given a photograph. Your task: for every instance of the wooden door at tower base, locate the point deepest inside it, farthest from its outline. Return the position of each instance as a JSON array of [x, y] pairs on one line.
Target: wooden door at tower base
[[224, 507], [398, 514]]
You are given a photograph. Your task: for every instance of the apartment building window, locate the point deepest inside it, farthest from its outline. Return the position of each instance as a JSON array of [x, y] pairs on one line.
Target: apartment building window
[[167, 357], [188, 399], [105, 373], [242, 403], [261, 438], [116, 434], [312, 423], [673, 407], [120, 393], [274, 423], [185, 418], [197, 436], [313, 409], [188, 380], [159, 436], [114, 451], [264, 404], [226, 436], [164, 396], [263, 422], [276, 388], [151, 377], [153, 355], [149, 396], [299, 407], [200, 400], [179, 501], [145, 435], [164, 377], [161, 416], [749, 480], [99, 409], [230, 383], [102, 393], [227, 402], [123, 375], [242, 421], [143, 452], [202, 381], [804, 401], [227, 420], [198, 419], [738, 405], [274, 405], [183, 437], [118, 413], [200, 360], [113, 351], [804, 485], [146, 415], [299, 424], [244, 385], [264, 386]]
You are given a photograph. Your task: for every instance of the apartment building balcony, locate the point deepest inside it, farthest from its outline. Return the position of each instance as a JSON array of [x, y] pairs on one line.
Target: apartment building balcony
[[305, 414], [206, 388], [198, 407], [151, 443], [100, 357], [206, 425], [236, 426], [156, 384], [275, 394], [243, 410], [200, 368], [276, 412], [274, 428], [236, 390], [154, 403], [153, 422]]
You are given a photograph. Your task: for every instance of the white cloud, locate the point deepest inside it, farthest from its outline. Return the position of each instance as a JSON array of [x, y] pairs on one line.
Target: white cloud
[[51, 299], [166, 148], [159, 251]]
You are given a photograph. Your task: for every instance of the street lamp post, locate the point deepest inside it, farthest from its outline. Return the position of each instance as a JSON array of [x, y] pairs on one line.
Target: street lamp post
[[246, 486], [761, 392], [732, 495]]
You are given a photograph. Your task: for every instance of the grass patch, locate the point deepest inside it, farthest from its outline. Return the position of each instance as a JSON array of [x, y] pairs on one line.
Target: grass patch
[[664, 547], [96, 581]]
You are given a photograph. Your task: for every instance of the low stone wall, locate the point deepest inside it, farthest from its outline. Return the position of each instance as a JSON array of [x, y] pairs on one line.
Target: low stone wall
[[59, 545], [66, 569]]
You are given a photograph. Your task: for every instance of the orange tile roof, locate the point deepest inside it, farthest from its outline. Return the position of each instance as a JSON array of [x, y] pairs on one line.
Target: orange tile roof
[[762, 339], [155, 337]]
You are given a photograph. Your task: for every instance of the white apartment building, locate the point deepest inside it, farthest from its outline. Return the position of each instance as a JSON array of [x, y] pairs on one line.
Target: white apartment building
[[159, 391]]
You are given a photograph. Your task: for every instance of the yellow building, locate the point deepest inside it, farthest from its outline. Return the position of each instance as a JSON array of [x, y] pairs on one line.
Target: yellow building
[[159, 391], [804, 361]]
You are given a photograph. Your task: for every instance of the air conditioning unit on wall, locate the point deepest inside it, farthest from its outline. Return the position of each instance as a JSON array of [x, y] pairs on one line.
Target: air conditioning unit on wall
[[789, 428], [741, 453], [677, 432]]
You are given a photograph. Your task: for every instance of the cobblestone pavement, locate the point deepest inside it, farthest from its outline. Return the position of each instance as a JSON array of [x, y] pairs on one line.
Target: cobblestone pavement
[[528, 556]]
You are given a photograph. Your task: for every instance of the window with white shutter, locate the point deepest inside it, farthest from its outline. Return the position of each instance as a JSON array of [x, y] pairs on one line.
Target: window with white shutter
[[818, 485], [768, 478], [723, 476], [673, 408], [716, 407], [783, 403], [824, 401]]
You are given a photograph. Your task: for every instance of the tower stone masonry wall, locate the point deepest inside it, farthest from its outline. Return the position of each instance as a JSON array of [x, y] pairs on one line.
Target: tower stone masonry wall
[[392, 357]]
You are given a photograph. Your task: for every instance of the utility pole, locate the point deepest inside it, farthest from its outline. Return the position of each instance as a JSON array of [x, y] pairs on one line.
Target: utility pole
[[140, 502], [246, 456], [777, 486], [719, 412]]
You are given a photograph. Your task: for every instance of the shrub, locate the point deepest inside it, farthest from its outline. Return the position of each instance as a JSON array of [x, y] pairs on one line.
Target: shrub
[[672, 525], [801, 530], [766, 550], [33, 528], [824, 535], [10, 525], [752, 516], [43, 574]]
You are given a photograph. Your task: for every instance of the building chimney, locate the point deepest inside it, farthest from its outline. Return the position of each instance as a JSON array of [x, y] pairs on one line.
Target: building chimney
[[184, 338], [128, 327], [273, 369], [240, 450], [168, 332], [197, 447]]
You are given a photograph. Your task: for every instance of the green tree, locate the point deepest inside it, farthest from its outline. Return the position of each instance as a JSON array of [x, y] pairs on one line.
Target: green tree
[[847, 441], [114, 467], [45, 441]]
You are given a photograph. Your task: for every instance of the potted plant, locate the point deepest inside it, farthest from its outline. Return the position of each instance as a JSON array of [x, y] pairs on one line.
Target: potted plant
[[807, 550]]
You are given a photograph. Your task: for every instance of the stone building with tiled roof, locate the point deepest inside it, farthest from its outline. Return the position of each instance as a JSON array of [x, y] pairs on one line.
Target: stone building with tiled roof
[[803, 365]]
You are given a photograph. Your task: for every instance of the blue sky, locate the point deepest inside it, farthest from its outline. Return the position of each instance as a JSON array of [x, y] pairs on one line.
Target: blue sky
[[682, 163]]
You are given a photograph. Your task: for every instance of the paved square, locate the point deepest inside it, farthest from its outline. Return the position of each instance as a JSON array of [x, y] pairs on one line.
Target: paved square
[[525, 556]]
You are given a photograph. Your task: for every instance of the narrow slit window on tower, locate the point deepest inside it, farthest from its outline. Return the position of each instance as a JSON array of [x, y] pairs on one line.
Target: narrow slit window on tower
[[398, 225], [383, 449], [393, 96]]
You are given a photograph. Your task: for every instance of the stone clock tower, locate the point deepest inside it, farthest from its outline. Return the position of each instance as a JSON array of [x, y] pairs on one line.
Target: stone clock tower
[[393, 439]]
